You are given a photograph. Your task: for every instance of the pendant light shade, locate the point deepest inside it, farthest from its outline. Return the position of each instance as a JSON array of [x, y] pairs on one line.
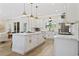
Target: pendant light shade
[[31, 11], [31, 15], [50, 18], [24, 12], [36, 12]]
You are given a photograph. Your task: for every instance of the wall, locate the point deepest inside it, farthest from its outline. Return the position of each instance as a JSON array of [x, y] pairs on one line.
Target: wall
[[10, 11], [72, 12], [2, 26]]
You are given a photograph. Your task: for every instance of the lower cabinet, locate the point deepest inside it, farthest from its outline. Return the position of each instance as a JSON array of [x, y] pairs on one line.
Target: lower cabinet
[[65, 47], [48, 34], [24, 43], [33, 41]]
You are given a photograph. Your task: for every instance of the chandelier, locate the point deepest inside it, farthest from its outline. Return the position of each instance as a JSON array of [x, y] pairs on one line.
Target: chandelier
[[31, 11]]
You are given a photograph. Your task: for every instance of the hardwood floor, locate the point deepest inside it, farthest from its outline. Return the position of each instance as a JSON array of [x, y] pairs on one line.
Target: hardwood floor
[[45, 49]]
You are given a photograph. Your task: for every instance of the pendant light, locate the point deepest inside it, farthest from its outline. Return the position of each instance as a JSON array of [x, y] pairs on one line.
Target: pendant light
[[36, 12], [64, 14], [24, 12], [31, 11], [67, 23], [50, 19]]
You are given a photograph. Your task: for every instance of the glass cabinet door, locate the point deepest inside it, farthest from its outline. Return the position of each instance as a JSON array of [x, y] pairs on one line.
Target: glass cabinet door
[[16, 27], [25, 25]]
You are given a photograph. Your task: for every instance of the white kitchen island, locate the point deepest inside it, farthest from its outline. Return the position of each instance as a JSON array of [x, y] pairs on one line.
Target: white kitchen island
[[65, 45], [24, 42]]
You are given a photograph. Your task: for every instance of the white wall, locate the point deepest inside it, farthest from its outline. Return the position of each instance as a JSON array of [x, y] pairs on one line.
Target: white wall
[[11, 10], [14, 10], [72, 12]]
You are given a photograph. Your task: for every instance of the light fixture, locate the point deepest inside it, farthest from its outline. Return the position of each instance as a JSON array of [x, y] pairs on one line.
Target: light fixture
[[63, 15], [24, 12], [36, 12], [50, 18], [31, 11]]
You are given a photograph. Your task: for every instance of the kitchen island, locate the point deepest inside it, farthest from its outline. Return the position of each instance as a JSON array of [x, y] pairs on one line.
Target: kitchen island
[[65, 45], [24, 42]]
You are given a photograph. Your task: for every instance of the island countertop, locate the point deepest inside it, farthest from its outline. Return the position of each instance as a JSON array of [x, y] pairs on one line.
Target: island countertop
[[27, 33], [66, 37]]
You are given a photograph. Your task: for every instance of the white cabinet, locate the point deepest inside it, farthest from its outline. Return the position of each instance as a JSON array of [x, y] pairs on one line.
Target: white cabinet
[[3, 36], [24, 42], [18, 44], [27, 44], [48, 34], [65, 45], [75, 30]]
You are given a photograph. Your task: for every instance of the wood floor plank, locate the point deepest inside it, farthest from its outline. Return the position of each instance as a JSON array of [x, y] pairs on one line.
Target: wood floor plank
[[45, 49]]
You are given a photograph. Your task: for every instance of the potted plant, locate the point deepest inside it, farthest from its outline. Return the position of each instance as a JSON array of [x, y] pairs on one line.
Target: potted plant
[[50, 25]]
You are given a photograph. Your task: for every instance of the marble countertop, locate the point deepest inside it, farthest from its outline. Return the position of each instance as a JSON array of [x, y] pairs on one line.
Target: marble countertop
[[27, 33], [65, 37]]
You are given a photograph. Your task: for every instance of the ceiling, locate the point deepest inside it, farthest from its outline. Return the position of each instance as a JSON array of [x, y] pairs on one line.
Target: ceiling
[[11, 10]]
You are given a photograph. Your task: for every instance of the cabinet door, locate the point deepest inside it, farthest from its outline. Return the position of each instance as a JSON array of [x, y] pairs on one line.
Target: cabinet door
[[33, 40], [27, 43], [39, 39], [30, 42], [18, 43], [49, 34], [75, 31], [65, 47]]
